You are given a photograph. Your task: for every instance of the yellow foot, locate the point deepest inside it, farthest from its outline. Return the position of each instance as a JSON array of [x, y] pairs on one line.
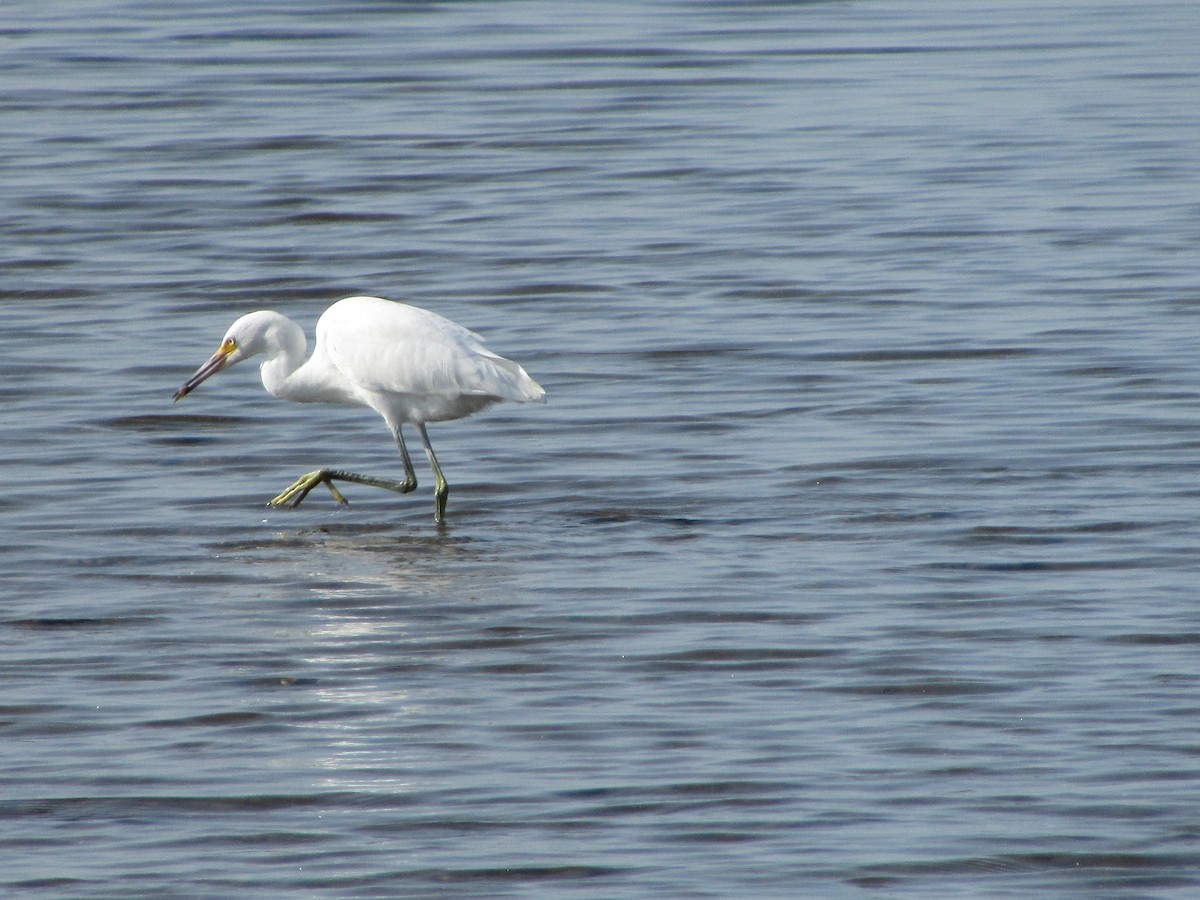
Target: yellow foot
[[295, 494]]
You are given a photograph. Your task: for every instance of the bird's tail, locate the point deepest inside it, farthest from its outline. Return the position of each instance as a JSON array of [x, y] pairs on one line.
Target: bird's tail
[[517, 385]]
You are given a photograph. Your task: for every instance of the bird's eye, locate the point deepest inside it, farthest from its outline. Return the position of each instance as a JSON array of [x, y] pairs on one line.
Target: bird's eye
[[230, 344]]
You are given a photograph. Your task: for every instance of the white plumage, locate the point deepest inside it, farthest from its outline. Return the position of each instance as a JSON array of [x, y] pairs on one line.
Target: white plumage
[[408, 364]]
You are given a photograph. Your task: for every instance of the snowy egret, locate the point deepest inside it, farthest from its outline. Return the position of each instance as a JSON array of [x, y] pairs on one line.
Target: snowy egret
[[406, 363]]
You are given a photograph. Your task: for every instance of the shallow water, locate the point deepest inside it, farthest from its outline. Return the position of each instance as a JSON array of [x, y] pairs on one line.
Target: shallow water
[[853, 553]]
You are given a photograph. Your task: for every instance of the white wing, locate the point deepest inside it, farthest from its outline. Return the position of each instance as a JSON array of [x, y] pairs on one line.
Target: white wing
[[393, 348]]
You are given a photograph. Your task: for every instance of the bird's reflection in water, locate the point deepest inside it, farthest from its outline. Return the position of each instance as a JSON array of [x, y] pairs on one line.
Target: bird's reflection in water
[[384, 560], [386, 612]]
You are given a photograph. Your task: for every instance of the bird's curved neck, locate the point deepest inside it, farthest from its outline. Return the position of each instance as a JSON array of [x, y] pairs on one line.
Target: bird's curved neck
[[284, 361]]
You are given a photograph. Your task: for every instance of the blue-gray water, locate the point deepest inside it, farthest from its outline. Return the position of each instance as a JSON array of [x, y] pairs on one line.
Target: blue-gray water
[[854, 553]]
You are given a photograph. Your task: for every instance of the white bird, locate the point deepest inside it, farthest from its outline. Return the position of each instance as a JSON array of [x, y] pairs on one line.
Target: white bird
[[406, 363]]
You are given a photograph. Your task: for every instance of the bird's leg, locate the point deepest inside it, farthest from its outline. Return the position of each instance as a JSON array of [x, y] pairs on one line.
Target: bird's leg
[[441, 490], [296, 492], [410, 475]]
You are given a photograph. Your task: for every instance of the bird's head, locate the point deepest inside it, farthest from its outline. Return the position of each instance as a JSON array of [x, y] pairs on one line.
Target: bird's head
[[250, 335]]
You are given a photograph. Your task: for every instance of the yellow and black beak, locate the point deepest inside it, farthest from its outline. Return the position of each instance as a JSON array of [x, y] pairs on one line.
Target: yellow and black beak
[[215, 364]]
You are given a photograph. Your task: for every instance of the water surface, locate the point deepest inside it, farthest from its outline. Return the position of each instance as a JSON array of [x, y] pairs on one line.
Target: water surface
[[853, 553]]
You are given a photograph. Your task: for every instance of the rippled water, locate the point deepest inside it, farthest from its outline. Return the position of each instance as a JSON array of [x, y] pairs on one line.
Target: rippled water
[[853, 554]]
